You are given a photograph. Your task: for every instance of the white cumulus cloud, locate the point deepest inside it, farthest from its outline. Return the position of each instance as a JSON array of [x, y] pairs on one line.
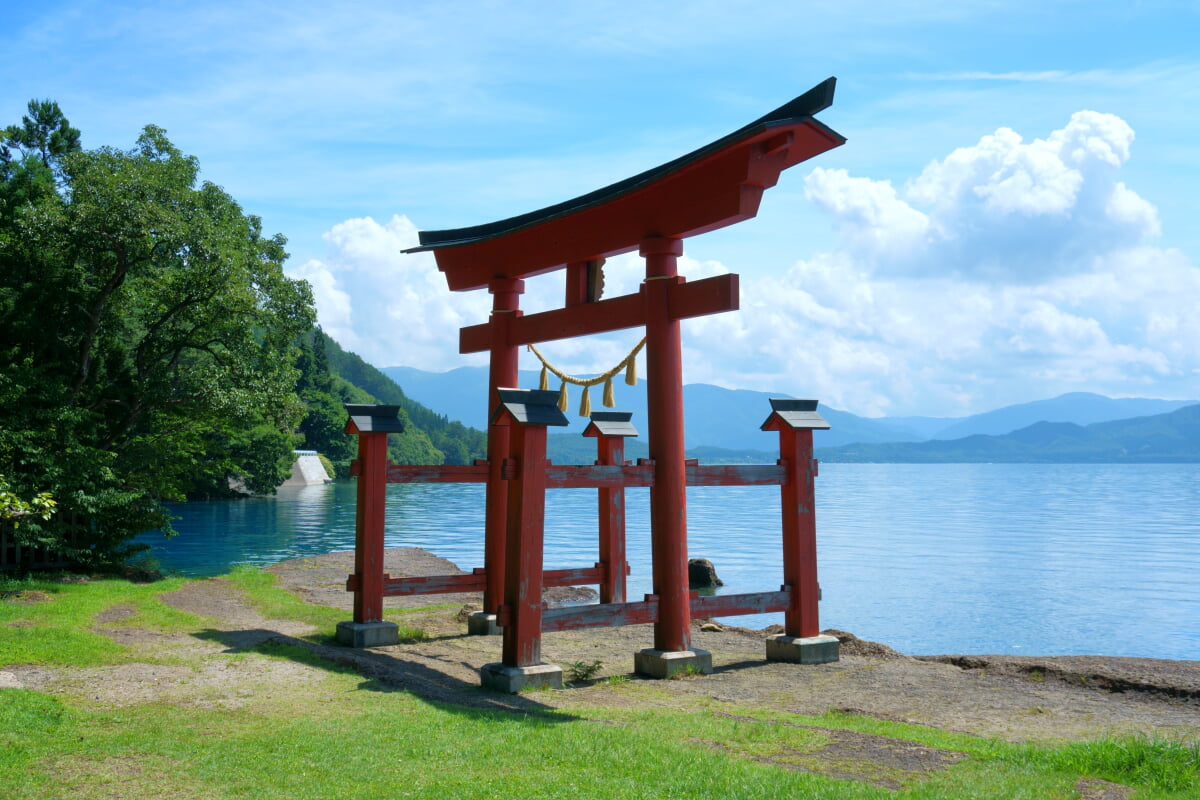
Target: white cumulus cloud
[[1002, 209], [1008, 271]]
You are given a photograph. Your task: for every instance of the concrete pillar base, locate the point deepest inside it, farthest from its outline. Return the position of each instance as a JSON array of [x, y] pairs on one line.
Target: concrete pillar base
[[482, 623], [665, 663], [502, 678], [819, 649], [368, 634]]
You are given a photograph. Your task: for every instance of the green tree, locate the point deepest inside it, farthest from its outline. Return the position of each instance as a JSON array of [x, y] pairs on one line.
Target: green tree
[[150, 336]]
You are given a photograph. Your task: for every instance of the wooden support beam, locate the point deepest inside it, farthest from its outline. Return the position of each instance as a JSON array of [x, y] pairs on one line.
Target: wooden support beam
[[476, 581], [439, 473], [606, 615], [697, 299], [598, 476], [369, 526], [732, 605], [435, 584], [736, 475]]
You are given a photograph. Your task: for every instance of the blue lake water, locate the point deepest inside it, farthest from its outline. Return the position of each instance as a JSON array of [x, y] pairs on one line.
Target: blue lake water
[[1037, 559]]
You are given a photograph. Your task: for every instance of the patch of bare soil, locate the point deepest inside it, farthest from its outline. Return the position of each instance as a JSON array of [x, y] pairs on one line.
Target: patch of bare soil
[[26, 597], [1007, 697]]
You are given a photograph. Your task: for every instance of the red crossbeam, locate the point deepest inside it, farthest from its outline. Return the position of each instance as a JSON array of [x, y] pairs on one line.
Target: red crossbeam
[[609, 615], [700, 298], [598, 476], [736, 475], [440, 473], [569, 476], [732, 605], [475, 581]]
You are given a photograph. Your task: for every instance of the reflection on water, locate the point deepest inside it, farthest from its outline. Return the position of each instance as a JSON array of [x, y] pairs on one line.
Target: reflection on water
[[997, 558]]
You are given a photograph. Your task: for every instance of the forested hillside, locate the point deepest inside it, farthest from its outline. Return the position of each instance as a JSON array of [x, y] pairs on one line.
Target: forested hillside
[[337, 376]]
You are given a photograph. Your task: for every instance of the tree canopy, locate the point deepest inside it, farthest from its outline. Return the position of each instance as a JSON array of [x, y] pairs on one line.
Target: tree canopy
[[153, 348], [150, 334]]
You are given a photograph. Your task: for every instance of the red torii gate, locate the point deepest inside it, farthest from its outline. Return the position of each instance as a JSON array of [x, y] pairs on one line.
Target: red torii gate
[[710, 188]]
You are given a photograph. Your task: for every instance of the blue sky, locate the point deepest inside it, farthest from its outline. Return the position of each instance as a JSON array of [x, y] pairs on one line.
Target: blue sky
[[1012, 217]]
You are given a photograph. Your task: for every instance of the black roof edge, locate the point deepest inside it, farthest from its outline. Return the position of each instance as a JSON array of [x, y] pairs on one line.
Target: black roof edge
[[815, 100]]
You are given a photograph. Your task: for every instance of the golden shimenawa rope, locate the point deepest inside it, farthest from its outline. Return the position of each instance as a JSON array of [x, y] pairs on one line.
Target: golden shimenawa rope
[[629, 364]]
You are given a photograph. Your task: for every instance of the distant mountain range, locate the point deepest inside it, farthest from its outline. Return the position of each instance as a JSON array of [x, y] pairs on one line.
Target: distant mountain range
[[722, 425], [1172, 437]]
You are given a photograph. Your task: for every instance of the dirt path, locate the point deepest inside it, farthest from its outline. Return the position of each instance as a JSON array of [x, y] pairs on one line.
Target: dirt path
[[1009, 697], [1012, 698]]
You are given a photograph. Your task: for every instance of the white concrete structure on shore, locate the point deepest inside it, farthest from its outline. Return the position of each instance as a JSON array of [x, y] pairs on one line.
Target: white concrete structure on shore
[[307, 470]]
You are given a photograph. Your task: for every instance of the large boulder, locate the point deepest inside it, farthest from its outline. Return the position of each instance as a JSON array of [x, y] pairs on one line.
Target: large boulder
[[702, 574]]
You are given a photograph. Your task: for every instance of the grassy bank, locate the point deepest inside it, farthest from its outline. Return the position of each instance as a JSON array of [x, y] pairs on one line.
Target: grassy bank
[[287, 723]]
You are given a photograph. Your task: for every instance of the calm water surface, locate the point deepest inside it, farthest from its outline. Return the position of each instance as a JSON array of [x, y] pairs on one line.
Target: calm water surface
[[969, 558]]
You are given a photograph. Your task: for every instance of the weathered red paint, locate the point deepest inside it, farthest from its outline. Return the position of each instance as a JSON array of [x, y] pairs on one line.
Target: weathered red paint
[[598, 476], [664, 411], [735, 475], [610, 451], [368, 527], [522, 646], [732, 605], [571, 618], [438, 473], [502, 372], [799, 532]]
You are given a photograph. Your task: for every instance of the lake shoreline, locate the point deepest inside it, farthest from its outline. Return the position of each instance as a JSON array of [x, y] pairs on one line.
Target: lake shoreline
[[321, 580]]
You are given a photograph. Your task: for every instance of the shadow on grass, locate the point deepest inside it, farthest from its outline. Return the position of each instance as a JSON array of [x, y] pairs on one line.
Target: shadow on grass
[[385, 672]]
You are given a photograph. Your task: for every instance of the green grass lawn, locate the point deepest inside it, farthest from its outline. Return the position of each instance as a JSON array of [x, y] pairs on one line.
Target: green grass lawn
[[337, 734]]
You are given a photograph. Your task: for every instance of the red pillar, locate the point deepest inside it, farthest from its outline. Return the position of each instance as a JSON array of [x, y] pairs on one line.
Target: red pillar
[[611, 450], [506, 295], [368, 526], [799, 532], [664, 406], [526, 516]]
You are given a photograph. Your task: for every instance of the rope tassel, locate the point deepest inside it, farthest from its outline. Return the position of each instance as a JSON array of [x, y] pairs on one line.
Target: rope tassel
[[628, 363], [585, 403]]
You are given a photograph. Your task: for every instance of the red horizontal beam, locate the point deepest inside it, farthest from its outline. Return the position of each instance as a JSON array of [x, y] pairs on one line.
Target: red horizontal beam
[[606, 615], [440, 473], [579, 576], [428, 584], [475, 581], [736, 475], [598, 476], [732, 605], [700, 298]]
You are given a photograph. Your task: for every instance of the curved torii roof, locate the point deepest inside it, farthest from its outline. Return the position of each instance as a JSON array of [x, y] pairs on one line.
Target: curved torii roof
[[717, 185]]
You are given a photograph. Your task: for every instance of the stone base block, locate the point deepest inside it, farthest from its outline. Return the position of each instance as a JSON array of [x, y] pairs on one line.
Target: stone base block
[[503, 678], [482, 623], [665, 663], [820, 649], [368, 634]]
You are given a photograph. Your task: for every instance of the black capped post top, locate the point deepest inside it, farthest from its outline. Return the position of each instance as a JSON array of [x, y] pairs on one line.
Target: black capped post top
[[797, 414], [610, 423], [373, 419], [530, 407]]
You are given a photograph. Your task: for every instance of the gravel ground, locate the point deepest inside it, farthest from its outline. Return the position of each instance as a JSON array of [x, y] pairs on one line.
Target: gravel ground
[[1015, 698], [1010, 697]]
